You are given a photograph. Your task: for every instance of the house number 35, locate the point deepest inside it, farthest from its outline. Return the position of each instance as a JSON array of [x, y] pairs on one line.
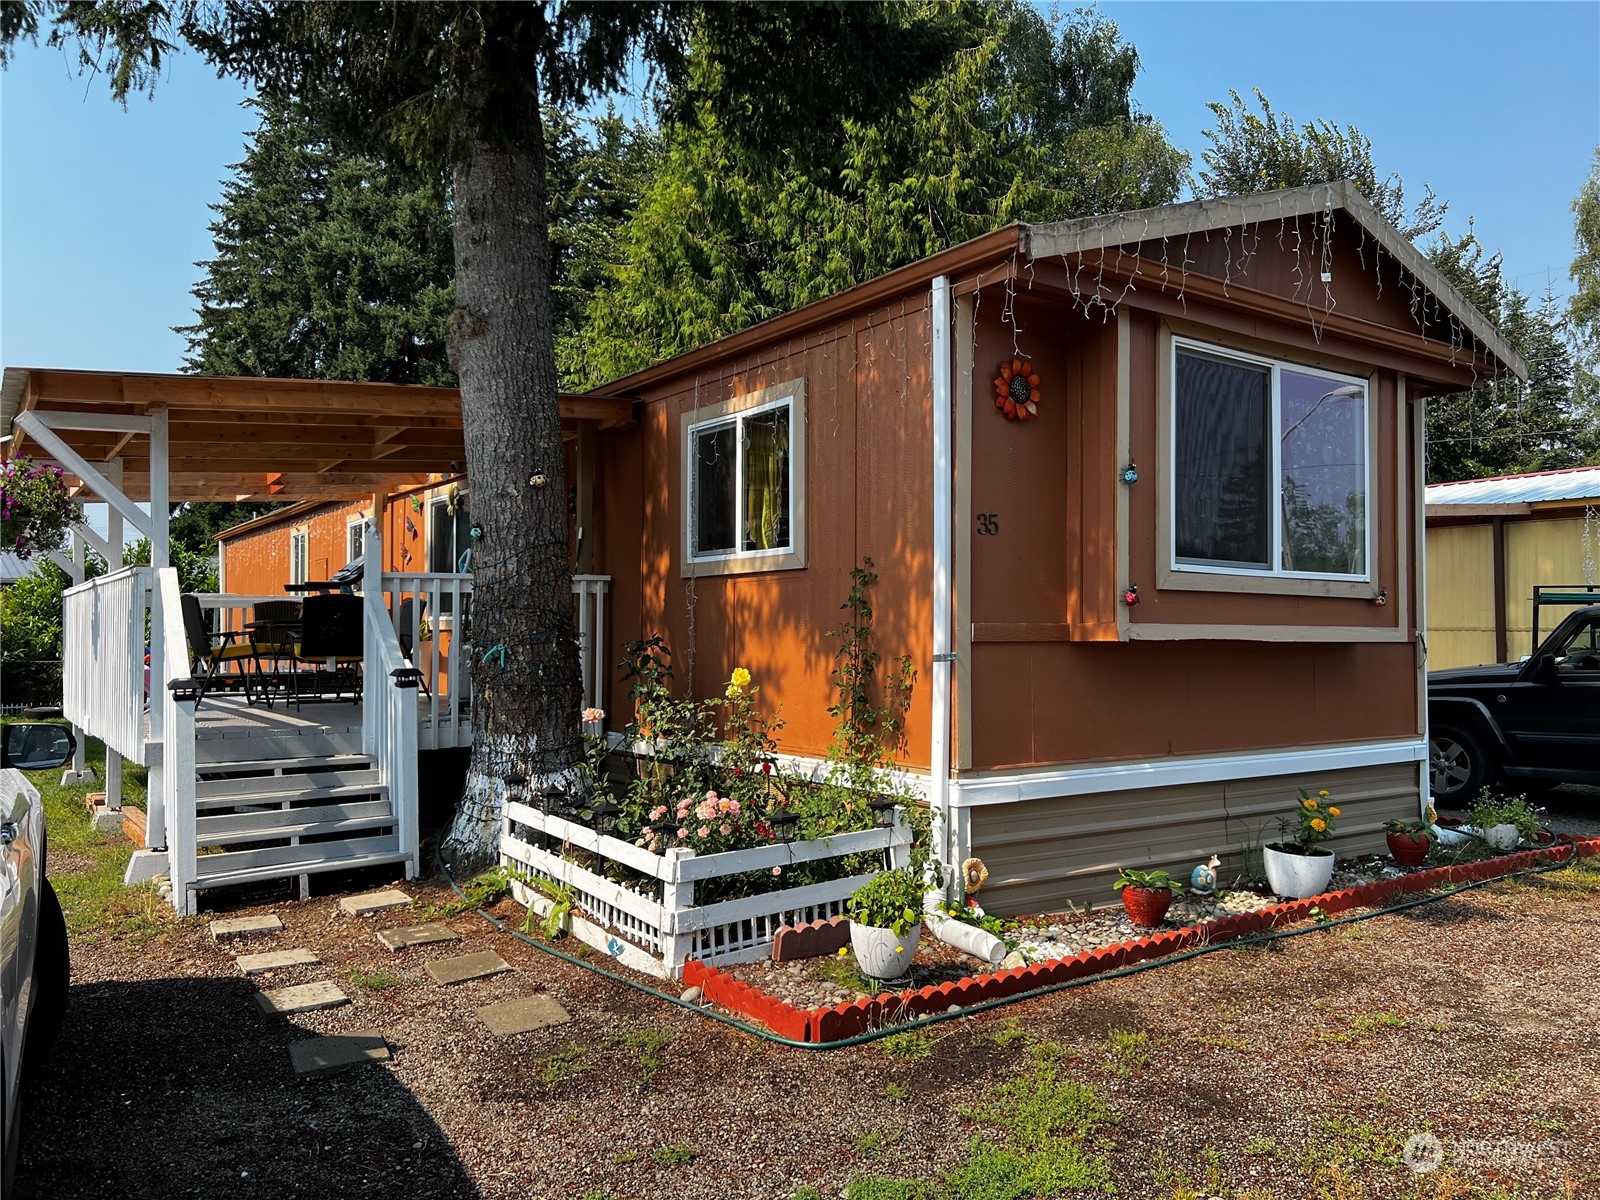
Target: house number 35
[[988, 524]]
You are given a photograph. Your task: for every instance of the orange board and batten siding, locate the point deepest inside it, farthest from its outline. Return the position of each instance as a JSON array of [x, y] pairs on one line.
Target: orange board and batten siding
[[1043, 853], [255, 562], [869, 454]]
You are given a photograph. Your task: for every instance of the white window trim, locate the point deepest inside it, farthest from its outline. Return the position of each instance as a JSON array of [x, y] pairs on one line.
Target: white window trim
[[1272, 578], [300, 554], [350, 528], [790, 395]]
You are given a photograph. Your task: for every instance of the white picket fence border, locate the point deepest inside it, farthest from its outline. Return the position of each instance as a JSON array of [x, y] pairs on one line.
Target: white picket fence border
[[658, 935]]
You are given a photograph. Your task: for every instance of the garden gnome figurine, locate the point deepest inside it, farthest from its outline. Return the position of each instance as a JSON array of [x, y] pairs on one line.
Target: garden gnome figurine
[[1203, 880]]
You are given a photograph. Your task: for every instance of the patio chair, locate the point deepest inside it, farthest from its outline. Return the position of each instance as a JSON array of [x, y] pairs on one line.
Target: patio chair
[[406, 623], [331, 636], [209, 652], [274, 629]]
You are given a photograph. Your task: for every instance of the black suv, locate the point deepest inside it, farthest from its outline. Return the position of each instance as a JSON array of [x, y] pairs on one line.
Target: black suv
[[1530, 725]]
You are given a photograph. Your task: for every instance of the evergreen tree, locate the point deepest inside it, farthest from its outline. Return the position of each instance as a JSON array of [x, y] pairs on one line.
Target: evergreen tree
[[1265, 151], [1034, 122], [329, 264], [466, 90]]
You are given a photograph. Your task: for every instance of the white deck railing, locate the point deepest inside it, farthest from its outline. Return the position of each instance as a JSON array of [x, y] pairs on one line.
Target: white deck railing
[[434, 628], [389, 716], [172, 824], [102, 659]]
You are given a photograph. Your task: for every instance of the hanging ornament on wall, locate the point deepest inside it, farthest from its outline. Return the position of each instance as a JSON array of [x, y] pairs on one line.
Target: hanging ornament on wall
[[416, 506], [1017, 390], [411, 526]]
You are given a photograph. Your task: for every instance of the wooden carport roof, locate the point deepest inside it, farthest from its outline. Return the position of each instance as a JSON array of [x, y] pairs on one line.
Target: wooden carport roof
[[233, 438]]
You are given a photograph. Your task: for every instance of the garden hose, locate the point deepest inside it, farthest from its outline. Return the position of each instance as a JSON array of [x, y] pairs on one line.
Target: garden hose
[[872, 1035]]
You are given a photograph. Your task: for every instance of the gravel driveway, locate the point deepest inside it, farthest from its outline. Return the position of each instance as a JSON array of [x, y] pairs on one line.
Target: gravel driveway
[[1290, 1071]]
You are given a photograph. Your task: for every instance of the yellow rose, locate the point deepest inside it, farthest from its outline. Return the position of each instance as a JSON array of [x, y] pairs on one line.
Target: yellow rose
[[1319, 824], [1323, 792], [1310, 805], [1332, 811], [740, 678]]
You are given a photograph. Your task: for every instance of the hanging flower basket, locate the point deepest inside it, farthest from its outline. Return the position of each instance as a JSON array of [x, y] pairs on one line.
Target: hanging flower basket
[[35, 509]]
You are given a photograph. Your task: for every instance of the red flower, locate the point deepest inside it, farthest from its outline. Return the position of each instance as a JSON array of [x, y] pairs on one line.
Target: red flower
[[763, 829]]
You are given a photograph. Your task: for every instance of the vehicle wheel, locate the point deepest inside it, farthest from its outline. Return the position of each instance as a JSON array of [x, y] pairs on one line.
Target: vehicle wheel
[[52, 975], [1458, 767]]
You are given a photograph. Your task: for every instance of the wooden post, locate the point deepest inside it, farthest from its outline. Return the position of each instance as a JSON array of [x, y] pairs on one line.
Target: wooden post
[[1497, 531], [676, 895]]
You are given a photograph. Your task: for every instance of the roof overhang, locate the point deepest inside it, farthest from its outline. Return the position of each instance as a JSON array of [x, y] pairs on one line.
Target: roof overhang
[[1089, 235], [242, 438]]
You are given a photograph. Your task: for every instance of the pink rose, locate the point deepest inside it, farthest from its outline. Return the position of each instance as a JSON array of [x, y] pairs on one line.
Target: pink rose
[[726, 829], [733, 807], [682, 832], [705, 831], [723, 805], [777, 870]]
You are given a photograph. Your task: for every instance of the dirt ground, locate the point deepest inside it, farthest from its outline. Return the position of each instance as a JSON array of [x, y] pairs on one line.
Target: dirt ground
[[1298, 1069]]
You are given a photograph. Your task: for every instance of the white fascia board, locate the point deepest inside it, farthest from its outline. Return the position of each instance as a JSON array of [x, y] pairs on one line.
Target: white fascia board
[[1012, 787]]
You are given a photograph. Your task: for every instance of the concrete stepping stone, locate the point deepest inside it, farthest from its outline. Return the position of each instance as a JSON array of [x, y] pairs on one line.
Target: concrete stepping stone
[[467, 966], [274, 960], [402, 936], [330, 1055], [525, 1013], [302, 997], [237, 927], [368, 903]]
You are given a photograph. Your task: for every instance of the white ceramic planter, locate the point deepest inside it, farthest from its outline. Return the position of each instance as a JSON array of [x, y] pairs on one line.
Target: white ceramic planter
[[1298, 876], [1501, 837], [883, 953]]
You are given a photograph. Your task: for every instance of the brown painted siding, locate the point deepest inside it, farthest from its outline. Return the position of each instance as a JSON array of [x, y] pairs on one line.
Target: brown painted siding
[[1050, 683], [1043, 853], [869, 466], [257, 562]]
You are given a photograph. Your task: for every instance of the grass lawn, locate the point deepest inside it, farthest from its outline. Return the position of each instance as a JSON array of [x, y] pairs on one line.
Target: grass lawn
[[86, 867]]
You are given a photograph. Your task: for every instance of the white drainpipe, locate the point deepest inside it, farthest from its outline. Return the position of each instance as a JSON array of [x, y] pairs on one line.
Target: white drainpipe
[[943, 517]]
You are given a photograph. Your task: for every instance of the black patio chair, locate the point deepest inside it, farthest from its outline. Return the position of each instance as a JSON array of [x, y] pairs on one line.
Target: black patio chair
[[331, 643], [209, 652]]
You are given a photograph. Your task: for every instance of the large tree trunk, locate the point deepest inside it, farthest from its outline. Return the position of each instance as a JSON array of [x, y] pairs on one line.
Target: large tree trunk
[[526, 682]]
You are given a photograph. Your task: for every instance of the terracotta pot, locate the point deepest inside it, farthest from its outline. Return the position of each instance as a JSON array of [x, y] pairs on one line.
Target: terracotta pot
[[1146, 906], [1298, 876], [883, 953], [1409, 850]]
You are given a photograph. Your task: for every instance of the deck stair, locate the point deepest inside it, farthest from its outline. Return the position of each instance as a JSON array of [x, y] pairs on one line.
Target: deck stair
[[284, 814]]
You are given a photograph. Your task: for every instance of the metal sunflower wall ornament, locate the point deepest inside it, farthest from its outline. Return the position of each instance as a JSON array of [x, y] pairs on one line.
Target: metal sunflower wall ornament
[[1017, 390]]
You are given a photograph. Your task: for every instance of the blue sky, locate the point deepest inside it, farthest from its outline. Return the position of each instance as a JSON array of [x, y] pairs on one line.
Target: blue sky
[[103, 213]]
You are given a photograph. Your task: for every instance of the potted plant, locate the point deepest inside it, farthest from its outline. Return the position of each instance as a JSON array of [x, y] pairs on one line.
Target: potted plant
[[35, 509], [1409, 841], [886, 922], [1298, 869], [1146, 895], [1503, 823]]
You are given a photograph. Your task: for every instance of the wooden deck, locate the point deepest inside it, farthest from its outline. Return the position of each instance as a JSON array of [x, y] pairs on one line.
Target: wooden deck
[[228, 729]]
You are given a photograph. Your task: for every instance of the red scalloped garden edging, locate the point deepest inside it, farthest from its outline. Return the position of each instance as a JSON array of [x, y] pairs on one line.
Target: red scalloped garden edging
[[839, 1021]]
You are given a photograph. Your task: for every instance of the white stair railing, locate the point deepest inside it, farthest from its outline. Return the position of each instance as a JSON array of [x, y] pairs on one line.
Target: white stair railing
[[436, 635], [590, 593], [389, 714], [177, 747]]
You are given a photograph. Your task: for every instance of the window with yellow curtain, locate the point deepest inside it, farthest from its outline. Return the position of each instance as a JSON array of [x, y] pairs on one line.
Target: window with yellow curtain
[[740, 483]]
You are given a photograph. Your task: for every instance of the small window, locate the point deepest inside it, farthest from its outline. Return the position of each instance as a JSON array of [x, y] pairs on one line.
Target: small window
[[1581, 654], [354, 538], [741, 497], [1270, 467], [299, 555]]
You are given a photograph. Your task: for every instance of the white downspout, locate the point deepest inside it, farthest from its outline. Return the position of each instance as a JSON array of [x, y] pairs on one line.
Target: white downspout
[[943, 518]]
